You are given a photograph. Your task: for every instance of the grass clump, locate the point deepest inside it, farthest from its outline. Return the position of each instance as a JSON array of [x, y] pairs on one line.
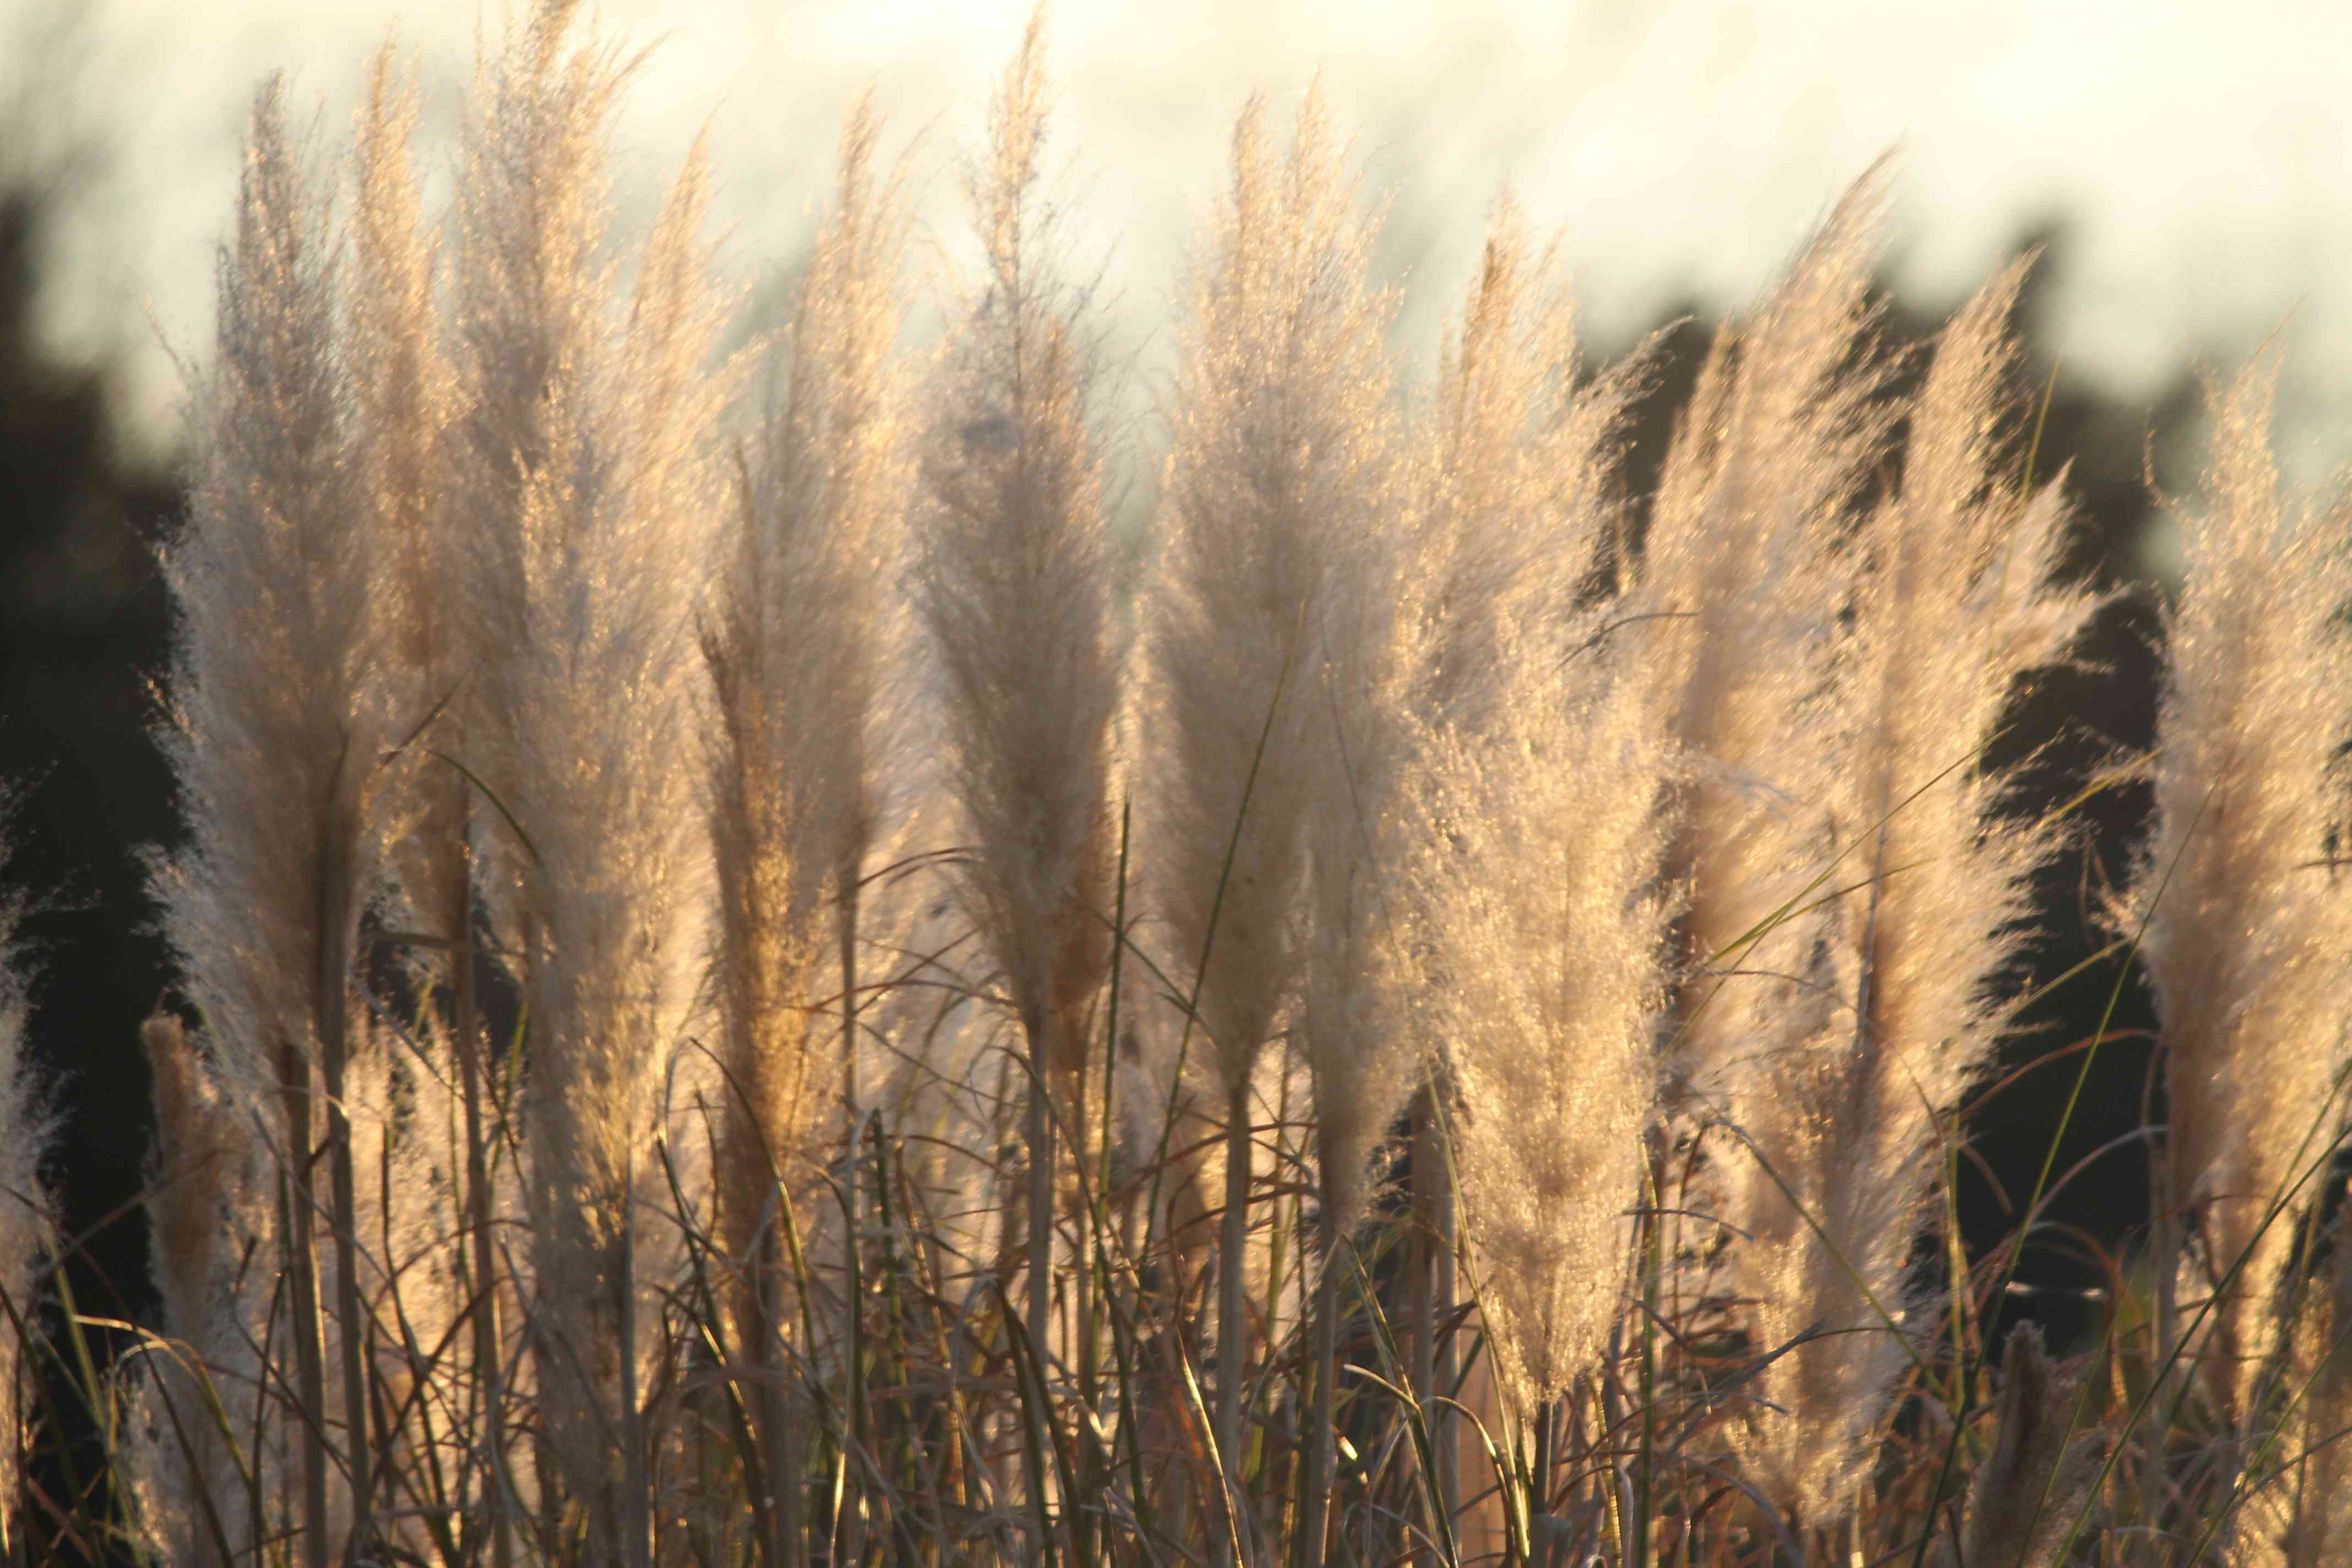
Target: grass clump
[[756, 998]]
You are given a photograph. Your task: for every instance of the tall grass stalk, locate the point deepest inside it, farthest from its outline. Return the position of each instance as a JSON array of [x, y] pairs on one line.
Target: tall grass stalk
[[1958, 564], [1361, 1058], [1016, 590], [1774, 450], [2247, 929], [592, 501], [275, 734], [1543, 987], [1784, 427], [1513, 517], [409, 412], [1278, 405], [793, 640]]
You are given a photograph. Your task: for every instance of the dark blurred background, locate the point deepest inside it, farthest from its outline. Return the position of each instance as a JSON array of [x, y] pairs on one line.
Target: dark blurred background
[[82, 629]]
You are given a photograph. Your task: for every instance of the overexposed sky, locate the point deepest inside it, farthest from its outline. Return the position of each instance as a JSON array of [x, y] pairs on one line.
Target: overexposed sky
[[2202, 153]]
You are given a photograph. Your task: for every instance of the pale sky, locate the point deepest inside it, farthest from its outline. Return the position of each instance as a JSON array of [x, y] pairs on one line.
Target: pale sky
[[2203, 152]]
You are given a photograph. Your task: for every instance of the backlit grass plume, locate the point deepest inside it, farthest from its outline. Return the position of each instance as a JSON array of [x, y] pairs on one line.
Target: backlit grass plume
[[2248, 935], [1279, 403], [591, 509], [795, 638], [1513, 513], [1741, 582], [1955, 607], [410, 411], [1959, 607], [1516, 512], [406, 410], [276, 729], [1015, 589], [1348, 1020], [1542, 918]]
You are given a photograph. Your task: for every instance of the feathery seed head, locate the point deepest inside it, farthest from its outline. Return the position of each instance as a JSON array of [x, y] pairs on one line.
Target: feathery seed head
[[408, 421], [2248, 935], [1956, 609], [1516, 509], [798, 638], [277, 719], [1541, 922], [1282, 428], [1951, 606], [1015, 583], [591, 500], [1742, 580]]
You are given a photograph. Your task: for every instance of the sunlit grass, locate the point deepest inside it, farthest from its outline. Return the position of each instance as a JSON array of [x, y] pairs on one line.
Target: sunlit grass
[[742, 1009]]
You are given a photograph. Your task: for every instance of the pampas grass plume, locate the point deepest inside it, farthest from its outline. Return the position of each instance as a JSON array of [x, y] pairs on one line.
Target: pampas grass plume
[[2248, 934], [1016, 588], [275, 732], [796, 639], [1953, 608], [593, 501], [278, 721], [1282, 384], [1516, 511], [1277, 472], [1740, 587], [1015, 585], [407, 401], [1542, 919]]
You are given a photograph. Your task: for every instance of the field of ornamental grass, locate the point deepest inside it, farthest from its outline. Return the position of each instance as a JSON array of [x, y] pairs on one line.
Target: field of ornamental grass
[[760, 989]]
